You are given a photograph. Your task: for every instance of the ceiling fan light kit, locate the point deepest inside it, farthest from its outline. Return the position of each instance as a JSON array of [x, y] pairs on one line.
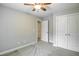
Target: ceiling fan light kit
[[38, 6]]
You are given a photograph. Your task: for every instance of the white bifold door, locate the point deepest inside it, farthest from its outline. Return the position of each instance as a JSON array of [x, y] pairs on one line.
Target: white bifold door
[[61, 31], [67, 32], [44, 31], [73, 32]]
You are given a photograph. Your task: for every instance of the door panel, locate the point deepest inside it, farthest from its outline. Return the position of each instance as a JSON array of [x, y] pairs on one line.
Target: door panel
[[72, 28], [61, 30], [45, 30]]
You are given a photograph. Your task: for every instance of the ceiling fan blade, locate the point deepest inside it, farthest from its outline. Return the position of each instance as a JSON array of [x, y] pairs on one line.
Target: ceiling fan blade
[[42, 8], [28, 4], [46, 3]]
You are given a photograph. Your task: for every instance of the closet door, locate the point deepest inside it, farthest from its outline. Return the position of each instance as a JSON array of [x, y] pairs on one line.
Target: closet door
[[61, 31], [72, 30]]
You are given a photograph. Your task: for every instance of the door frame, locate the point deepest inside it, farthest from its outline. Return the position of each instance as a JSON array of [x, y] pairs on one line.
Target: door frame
[[48, 31]]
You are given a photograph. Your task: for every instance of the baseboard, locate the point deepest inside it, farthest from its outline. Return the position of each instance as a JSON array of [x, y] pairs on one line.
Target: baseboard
[[17, 48], [64, 48], [50, 41], [44, 40], [55, 45]]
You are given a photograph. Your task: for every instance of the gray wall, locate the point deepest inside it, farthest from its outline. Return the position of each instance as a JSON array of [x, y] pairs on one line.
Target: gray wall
[[16, 28]]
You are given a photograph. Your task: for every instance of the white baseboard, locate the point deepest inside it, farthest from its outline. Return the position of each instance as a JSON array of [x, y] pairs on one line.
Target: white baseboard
[[65, 48], [14, 49], [50, 41], [55, 45]]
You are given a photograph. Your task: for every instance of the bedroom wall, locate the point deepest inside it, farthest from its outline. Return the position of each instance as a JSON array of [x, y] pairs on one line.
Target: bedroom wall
[[16, 28]]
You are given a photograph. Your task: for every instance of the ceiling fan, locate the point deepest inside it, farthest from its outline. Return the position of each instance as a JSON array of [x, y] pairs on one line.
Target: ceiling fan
[[38, 6]]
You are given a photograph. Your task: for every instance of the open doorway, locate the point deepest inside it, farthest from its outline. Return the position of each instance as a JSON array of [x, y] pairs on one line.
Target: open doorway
[[39, 30]]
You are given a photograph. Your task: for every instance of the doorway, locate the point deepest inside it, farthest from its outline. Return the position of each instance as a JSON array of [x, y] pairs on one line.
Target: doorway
[[39, 30]]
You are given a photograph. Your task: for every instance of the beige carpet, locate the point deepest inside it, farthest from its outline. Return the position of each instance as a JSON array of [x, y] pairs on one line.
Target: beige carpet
[[43, 49]]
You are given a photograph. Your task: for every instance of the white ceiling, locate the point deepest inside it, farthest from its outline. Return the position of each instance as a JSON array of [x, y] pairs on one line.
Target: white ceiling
[[54, 8]]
